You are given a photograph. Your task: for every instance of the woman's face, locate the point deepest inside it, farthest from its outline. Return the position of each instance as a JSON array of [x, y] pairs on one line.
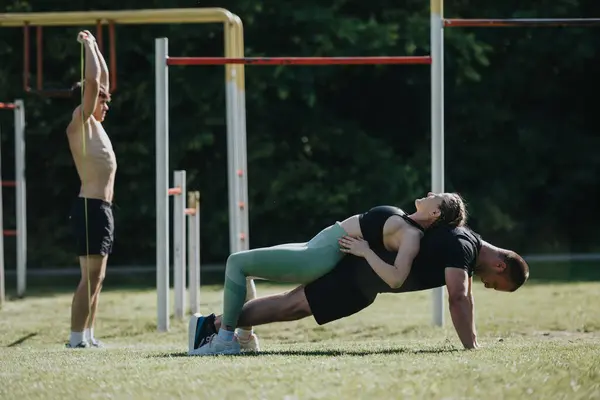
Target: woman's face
[[430, 205]]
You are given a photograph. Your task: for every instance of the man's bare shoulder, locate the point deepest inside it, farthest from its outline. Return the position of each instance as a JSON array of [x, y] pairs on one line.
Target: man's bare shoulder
[[75, 123]]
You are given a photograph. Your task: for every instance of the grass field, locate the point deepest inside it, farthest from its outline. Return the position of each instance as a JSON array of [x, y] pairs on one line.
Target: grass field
[[542, 342]]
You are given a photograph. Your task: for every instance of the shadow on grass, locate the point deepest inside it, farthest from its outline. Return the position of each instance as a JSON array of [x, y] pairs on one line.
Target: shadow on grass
[[326, 353], [21, 340]]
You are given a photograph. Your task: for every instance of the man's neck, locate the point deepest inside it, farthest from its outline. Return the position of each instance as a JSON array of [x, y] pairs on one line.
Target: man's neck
[[486, 251]]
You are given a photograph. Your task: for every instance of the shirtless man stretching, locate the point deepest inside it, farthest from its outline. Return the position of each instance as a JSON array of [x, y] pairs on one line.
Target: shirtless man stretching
[[91, 215]]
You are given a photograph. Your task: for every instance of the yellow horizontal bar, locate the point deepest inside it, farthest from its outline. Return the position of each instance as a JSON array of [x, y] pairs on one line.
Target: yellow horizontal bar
[[155, 16]]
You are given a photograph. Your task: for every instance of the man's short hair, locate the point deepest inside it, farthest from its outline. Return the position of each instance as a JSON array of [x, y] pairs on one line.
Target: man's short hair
[[76, 91], [516, 268]]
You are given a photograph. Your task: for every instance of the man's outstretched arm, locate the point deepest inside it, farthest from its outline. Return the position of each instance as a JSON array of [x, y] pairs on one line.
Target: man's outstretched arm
[[104, 76], [91, 86], [461, 304], [472, 301]]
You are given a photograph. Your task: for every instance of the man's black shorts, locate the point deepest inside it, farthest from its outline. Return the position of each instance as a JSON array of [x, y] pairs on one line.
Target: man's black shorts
[[96, 237], [340, 292]]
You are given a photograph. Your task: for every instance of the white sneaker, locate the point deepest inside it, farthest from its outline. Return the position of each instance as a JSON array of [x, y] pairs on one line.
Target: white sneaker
[[249, 345], [215, 345]]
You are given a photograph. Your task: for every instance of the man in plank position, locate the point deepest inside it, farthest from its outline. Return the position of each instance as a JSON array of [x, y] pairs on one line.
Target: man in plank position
[[448, 256]]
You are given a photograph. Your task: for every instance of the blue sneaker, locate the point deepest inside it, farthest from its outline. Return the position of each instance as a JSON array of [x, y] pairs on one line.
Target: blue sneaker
[[200, 329]]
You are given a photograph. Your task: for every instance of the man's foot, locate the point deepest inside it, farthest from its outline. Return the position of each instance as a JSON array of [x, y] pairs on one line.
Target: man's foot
[[81, 345], [215, 346], [96, 343], [248, 345], [200, 328]]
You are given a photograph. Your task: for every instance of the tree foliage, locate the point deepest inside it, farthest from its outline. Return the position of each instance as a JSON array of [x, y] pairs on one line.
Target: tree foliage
[[327, 142]]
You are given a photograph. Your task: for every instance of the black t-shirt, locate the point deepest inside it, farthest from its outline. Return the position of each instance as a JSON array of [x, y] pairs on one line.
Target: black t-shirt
[[441, 247]]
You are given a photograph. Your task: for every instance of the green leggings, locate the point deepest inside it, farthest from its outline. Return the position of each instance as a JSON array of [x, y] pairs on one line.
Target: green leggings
[[289, 263]]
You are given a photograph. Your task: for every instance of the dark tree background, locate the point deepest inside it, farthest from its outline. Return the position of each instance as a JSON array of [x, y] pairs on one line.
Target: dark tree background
[[325, 142]]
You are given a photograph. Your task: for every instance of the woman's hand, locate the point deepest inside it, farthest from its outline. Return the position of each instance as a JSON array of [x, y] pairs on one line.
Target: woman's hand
[[350, 245]]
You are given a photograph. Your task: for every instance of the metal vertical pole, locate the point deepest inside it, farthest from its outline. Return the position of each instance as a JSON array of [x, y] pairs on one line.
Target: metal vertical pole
[[21, 198], [242, 152], [235, 142], [437, 123], [231, 106], [162, 182], [197, 267], [179, 243], [2, 281], [194, 251]]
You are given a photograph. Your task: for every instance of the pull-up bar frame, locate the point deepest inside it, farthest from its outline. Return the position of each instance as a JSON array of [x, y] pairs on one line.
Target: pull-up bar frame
[[234, 78], [299, 60], [438, 23], [436, 60], [236, 156], [111, 18], [18, 108], [236, 143], [522, 22]]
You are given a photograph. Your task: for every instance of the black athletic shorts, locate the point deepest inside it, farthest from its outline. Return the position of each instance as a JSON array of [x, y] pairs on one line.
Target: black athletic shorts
[[341, 292], [100, 227]]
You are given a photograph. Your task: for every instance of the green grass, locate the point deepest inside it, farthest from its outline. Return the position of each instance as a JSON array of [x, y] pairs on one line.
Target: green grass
[[541, 342]]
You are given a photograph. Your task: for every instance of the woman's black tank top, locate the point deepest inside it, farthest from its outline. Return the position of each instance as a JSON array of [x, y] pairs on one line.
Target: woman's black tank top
[[372, 222]]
